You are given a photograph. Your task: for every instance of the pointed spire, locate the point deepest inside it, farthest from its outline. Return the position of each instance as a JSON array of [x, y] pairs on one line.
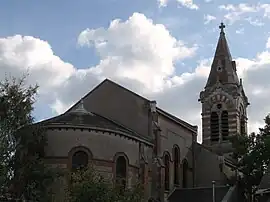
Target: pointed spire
[[80, 110], [223, 69], [222, 46]]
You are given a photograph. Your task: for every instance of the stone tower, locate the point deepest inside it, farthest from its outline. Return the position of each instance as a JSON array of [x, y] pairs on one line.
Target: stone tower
[[223, 99]]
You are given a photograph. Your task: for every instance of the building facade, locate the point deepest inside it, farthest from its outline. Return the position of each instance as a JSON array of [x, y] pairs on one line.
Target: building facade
[[126, 136]]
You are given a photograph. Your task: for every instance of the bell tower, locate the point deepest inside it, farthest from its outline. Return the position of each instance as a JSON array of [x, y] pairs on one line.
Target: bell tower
[[223, 100]]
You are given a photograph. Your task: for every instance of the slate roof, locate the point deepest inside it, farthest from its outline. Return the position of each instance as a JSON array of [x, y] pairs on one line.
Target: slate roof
[[228, 73], [81, 117], [198, 194], [183, 123]]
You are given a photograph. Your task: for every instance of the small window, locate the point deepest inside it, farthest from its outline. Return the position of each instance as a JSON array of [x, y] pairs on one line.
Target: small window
[[219, 106]]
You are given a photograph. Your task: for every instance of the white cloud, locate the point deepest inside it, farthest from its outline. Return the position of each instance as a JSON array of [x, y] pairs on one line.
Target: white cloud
[[254, 22], [143, 49], [243, 11], [162, 3], [189, 4], [18, 53], [138, 54], [185, 3], [208, 18], [240, 31]]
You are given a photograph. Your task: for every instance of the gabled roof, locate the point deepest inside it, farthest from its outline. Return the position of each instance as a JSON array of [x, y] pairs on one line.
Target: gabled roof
[[173, 118], [228, 160]]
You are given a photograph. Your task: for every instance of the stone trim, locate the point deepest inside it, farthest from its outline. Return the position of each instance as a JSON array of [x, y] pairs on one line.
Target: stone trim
[[96, 129]]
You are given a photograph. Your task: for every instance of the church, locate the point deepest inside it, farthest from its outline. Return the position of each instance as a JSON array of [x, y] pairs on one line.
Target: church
[[127, 136]]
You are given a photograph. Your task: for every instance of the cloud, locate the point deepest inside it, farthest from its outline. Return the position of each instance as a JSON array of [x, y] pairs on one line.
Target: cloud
[[162, 3], [139, 55], [208, 18], [240, 31], [189, 4], [143, 49], [19, 54], [243, 11], [185, 3]]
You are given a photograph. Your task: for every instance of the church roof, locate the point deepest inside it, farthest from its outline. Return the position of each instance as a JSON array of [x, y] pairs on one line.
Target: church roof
[[159, 110], [80, 117], [202, 194]]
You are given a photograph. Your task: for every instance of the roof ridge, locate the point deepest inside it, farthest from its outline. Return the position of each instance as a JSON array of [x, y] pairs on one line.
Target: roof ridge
[[173, 117]]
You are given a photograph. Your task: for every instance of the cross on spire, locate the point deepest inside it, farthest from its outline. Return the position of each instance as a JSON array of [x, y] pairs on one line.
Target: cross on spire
[[221, 27]]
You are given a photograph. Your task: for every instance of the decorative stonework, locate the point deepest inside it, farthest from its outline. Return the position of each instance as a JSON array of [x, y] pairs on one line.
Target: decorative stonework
[[223, 100]]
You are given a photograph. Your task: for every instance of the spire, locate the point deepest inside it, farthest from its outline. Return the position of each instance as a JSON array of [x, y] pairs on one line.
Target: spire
[[80, 110], [223, 69], [222, 46]]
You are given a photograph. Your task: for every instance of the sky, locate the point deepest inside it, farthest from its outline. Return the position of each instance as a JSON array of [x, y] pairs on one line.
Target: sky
[[161, 49]]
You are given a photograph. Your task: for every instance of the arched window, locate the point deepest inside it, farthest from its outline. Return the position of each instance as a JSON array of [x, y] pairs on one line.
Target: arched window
[[79, 160], [142, 173], [176, 160], [167, 171], [224, 125], [121, 171], [214, 127], [185, 174]]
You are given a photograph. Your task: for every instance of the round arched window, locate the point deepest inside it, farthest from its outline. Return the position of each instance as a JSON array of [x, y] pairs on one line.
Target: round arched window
[[79, 160]]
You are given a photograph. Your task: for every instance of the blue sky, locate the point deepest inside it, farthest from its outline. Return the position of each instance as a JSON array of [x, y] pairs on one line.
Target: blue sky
[[60, 24]]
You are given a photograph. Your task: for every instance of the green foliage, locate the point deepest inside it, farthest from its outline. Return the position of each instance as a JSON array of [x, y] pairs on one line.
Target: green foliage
[[88, 185], [23, 171], [252, 152]]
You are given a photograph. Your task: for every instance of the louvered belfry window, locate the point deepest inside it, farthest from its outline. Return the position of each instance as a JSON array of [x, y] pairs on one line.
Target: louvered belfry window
[[225, 125], [214, 127]]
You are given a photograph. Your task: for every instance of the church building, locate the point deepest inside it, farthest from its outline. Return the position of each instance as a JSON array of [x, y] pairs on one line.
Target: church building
[[126, 136]]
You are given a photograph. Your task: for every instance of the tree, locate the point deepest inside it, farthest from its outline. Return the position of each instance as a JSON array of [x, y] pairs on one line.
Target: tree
[[252, 153], [88, 185], [23, 171]]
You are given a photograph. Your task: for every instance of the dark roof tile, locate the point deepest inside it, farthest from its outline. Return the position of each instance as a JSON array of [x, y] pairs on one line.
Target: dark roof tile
[[198, 194]]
